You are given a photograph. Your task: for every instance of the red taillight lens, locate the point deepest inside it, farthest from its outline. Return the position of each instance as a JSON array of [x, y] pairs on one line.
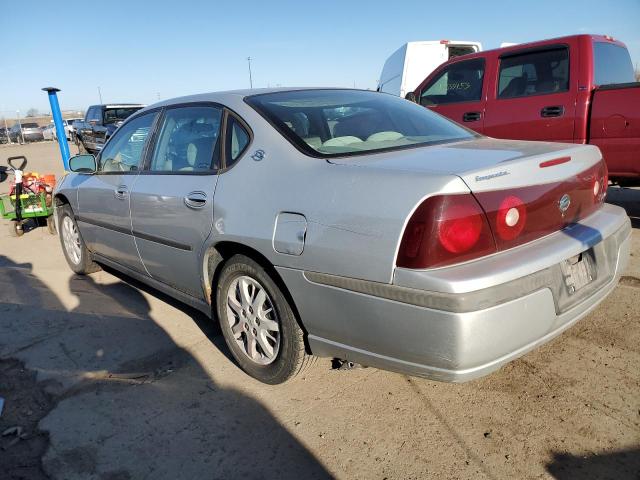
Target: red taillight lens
[[445, 229]]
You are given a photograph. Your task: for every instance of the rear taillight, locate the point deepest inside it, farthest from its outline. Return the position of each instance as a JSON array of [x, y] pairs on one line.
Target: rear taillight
[[445, 229], [449, 229]]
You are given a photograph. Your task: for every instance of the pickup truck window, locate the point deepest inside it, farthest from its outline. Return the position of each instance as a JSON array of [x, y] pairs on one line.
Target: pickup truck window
[[93, 114], [534, 73], [612, 64], [460, 82], [114, 115]]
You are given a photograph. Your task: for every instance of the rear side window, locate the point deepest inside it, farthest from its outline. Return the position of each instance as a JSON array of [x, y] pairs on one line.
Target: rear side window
[[460, 82], [237, 140], [612, 64], [188, 140], [534, 73]]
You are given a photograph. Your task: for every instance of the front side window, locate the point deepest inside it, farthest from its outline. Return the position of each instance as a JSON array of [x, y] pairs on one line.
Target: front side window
[[188, 140], [94, 114], [612, 64], [534, 73], [123, 153], [460, 82], [325, 123]]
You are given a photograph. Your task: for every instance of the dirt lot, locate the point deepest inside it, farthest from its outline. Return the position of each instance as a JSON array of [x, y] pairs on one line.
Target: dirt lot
[[111, 380]]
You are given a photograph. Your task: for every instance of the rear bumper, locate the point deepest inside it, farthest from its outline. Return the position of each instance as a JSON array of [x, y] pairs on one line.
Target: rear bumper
[[459, 331]]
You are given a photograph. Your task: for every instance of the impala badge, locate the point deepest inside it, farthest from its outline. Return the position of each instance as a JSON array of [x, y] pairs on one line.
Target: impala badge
[[564, 203]]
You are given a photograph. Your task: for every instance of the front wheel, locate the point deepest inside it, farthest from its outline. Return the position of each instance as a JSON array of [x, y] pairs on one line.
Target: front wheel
[[73, 247], [258, 324]]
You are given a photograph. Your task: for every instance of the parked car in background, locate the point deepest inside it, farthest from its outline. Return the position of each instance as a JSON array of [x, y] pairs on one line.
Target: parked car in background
[[4, 135], [48, 131], [99, 124], [30, 132], [576, 89], [388, 236], [412, 62], [69, 128]]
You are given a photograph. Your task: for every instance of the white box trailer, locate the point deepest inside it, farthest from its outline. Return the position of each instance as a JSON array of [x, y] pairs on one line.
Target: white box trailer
[[411, 63]]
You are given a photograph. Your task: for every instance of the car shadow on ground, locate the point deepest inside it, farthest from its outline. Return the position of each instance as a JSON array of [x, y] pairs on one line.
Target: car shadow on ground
[[627, 198], [621, 465], [127, 401]]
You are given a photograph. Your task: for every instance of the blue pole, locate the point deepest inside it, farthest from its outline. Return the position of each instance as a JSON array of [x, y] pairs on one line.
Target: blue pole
[[57, 120]]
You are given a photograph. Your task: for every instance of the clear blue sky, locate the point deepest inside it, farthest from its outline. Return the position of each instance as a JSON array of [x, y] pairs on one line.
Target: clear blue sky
[[136, 51]]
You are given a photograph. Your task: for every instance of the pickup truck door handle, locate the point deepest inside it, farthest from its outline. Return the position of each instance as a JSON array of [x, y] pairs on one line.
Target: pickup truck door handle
[[195, 200], [471, 116], [121, 192], [552, 111]]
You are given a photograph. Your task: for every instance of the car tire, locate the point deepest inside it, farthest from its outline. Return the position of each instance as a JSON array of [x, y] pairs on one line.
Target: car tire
[[81, 148], [15, 229], [75, 251], [248, 325]]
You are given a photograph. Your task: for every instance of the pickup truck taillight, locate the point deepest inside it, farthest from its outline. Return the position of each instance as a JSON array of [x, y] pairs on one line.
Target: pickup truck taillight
[[449, 229]]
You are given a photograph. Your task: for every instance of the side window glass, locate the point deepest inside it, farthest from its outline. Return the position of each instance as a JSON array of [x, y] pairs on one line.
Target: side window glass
[[237, 138], [123, 153], [188, 140], [535, 73], [460, 82]]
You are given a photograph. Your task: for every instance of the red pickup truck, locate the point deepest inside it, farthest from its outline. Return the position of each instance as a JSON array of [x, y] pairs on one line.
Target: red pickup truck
[[576, 89]]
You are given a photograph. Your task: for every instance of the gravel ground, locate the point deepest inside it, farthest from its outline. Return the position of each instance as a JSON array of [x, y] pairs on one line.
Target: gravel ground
[[112, 380]]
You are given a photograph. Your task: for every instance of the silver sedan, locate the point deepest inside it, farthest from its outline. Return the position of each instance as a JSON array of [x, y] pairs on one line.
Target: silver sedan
[[348, 224]]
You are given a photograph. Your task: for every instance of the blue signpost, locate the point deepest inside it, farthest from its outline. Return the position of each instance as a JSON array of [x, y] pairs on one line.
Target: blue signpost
[[57, 120]]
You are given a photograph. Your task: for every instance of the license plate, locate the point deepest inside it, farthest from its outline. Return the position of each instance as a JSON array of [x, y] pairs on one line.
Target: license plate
[[578, 271]]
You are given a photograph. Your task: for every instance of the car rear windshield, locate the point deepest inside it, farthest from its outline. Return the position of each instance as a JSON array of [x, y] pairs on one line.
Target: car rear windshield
[[30, 125], [612, 64], [327, 123], [113, 115]]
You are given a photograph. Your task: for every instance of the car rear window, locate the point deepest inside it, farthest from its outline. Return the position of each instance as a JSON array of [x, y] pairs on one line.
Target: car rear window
[[612, 64], [327, 123], [113, 115], [30, 125]]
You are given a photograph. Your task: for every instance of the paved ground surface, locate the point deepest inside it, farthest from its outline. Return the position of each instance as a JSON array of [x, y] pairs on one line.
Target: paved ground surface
[[112, 380]]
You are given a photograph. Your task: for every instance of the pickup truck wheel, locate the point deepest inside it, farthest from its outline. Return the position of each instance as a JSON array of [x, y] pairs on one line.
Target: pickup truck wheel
[[258, 324], [81, 148], [73, 246]]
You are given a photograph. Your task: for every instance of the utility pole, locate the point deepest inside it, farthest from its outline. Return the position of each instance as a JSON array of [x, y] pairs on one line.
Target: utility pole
[[6, 129], [100, 95], [20, 125], [250, 79]]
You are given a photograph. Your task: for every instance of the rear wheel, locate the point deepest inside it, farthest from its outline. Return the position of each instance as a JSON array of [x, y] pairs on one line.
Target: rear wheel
[[73, 247], [15, 229], [258, 323], [51, 225]]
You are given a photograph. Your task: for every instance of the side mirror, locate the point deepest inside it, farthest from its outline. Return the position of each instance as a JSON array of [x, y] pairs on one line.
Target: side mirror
[[411, 96], [85, 163]]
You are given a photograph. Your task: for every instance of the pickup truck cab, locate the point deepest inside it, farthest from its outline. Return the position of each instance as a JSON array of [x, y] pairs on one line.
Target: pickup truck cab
[[575, 89], [100, 122]]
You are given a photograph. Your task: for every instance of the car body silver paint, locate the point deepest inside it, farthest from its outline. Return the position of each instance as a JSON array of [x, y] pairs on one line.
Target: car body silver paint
[[356, 210]]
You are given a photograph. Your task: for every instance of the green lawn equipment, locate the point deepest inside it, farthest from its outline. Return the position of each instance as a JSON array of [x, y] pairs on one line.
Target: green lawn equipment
[[29, 198]]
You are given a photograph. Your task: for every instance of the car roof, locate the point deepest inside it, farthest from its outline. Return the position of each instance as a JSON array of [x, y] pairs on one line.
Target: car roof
[[220, 97]]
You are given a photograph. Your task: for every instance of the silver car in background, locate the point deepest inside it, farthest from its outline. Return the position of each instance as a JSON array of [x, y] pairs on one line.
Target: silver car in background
[[349, 224]]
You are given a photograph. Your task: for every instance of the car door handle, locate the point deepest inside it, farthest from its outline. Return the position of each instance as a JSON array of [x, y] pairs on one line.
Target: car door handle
[[552, 111], [471, 116], [195, 200], [121, 193]]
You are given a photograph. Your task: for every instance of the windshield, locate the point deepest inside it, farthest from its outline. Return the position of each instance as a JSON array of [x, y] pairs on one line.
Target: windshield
[[325, 123], [113, 115]]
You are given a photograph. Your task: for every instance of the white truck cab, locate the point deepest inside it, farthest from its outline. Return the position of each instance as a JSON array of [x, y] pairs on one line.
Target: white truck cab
[[412, 62]]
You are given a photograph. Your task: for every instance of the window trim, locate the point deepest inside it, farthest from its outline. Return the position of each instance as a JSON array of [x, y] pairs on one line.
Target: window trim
[[306, 150], [484, 76], [153, 128], [529, 51], [230, 113]]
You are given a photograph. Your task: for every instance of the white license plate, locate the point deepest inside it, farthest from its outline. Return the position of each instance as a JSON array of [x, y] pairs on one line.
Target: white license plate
[[578, 271]]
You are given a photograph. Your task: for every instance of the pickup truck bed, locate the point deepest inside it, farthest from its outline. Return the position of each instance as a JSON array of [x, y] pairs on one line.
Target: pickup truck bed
[[615, 127]]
